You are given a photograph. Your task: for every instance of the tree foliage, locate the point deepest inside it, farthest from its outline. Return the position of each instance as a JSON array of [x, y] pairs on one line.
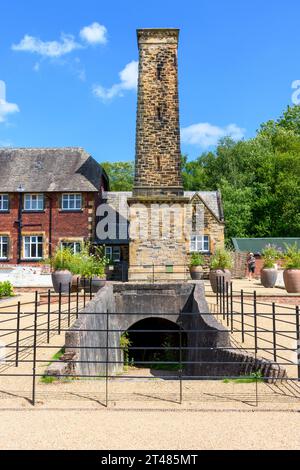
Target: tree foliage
[[120, 174], [259, 179]]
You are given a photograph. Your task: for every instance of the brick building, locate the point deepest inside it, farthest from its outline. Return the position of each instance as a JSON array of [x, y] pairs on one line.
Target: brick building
[[48, 198]]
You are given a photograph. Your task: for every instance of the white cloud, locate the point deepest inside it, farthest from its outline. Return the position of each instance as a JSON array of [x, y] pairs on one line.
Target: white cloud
[[206, 135], [5, 107], [128, 81], [52, 49], [94, 34], [5, 143]]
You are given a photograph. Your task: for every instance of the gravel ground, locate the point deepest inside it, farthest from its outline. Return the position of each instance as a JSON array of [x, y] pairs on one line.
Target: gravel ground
[[112, 430]]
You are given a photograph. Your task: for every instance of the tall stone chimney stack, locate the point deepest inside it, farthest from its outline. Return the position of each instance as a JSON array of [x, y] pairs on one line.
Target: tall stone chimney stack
[[159, 212], [157, 164]]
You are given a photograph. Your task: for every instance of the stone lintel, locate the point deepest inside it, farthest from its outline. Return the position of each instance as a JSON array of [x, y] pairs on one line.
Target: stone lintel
[[158, 199]]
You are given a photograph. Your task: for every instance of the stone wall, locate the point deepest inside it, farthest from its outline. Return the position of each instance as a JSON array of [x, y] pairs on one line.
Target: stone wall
[[160, 237]]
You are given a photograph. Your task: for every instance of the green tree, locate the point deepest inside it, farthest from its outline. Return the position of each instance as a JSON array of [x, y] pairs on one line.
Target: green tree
[[120, 174]]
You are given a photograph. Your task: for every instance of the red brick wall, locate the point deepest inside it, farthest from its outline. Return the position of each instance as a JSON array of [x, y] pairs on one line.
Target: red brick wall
[[65, 225]]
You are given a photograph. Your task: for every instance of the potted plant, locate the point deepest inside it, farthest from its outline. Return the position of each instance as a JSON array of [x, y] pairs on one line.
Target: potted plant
[[93, 270], [268, 273], [291, 273], [75, 267], [196, 265], [220, 264], [61, 274]]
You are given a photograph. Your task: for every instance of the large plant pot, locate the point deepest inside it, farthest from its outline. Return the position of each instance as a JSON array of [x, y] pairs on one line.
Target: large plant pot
[[97, 283], [216, 275], [268, 277], [291, 279], [63, 278], [196, 272], [93, 284]]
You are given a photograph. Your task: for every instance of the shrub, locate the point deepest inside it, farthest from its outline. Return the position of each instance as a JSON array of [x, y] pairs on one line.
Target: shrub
[[6, 289], [292, 257], [197, 259], [270, 254], [61, 259], [221, 259]]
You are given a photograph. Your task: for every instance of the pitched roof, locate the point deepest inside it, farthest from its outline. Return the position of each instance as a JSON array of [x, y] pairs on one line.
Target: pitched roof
[[256, 245], [49, 170], [212, 199]]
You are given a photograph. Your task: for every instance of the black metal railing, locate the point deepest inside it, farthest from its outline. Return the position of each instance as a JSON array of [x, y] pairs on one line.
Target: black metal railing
[[29, 333]]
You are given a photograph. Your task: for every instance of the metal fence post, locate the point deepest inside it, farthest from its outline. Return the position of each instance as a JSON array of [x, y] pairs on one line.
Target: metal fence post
[[77, 298], [255, 320], [274, 330], [48, 315], [180, 362], [242, 316], [59, 309], [34, 350], [84, 292], [223, 294], [298, 339], [217, 295], [69, 305], [18, 334], [231, 307], [90, 286], [227, 303], [107, 358]]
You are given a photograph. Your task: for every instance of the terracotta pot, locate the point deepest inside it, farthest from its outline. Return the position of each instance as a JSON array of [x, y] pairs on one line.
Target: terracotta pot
[[220, 274], [291, 279], [268, 277], [196, 272], [63, 278]]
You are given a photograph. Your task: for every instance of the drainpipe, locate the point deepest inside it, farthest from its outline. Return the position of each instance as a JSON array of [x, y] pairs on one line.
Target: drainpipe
[[20, 191], [50, 226]]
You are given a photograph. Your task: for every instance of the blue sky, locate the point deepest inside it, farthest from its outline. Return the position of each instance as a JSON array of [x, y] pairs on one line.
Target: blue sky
[[69, 69]]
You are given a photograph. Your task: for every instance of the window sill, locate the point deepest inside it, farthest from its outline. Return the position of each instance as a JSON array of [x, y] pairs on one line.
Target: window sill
[[4, 211], [68, 211], [30, 260], [27, 211]]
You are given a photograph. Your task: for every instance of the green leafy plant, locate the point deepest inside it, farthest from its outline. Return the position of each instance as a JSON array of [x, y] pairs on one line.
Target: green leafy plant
[[61, 259], [197, 259], [292, 257], [221, 259], [125, 344], [270, 254], [6, 289]]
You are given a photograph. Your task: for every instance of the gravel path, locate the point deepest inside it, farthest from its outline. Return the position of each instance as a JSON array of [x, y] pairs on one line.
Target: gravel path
[[112, 430]]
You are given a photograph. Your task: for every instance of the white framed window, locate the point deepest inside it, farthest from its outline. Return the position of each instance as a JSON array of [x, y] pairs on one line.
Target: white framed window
[[3, 247], [4, 202], [33, 247], [113, 253], [200, 243], [33, 202], [75, 247], [71, 202]]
